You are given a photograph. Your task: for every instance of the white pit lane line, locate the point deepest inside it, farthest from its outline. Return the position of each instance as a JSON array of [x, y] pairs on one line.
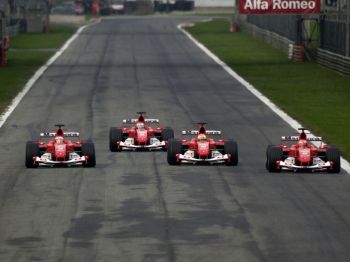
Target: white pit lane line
[[289, 120], [5, 115]]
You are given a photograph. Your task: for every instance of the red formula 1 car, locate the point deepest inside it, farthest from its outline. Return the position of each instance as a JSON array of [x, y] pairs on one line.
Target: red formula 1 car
[[202, 149], [60, 151], [302, 156], [138, 134]]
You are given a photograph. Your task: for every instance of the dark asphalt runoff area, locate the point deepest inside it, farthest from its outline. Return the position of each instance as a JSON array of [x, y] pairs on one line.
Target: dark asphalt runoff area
[[135, 207]]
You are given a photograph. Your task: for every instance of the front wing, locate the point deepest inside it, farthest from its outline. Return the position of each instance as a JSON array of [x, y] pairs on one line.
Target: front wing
[[214, 160], [48, 162], [317, 167], [155, 146]]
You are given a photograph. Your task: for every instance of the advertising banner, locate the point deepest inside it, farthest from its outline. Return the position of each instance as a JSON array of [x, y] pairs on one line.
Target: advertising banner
[[279, 6]]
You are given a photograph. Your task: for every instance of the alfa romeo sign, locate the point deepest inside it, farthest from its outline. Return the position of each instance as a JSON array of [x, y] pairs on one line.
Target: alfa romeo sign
[[279, 6]]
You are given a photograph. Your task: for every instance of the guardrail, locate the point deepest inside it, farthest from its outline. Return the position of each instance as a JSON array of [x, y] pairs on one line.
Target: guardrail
[[323, 57], [267, 36], [334, 61]]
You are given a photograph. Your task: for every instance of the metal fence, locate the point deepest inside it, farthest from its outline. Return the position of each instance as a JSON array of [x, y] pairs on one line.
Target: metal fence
[[279, 24], [326, 37], [333, 36], [333, 24]]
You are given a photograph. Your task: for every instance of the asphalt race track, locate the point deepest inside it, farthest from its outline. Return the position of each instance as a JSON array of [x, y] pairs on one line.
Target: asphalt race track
[[134, 206]]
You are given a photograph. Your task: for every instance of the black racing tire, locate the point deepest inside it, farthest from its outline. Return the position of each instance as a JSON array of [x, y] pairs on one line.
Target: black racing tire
[[267, 154], [167, 133], [115, 135], [268, 149], [88, 149], [230, 147], [333, 154], [32, 150], [174, 147], [274, 154]]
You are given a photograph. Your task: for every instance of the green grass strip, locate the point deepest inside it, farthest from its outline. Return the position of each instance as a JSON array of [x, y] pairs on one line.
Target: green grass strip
[[54, 39], [21, 66], [24, 62], [315, 96]]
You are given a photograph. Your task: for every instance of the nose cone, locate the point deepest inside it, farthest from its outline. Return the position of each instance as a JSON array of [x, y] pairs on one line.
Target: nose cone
[[304, 155], [142, 136], [203, 149], [60, 151]]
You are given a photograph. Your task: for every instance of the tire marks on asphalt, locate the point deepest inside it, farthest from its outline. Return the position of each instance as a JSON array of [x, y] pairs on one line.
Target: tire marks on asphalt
[[166, 219]]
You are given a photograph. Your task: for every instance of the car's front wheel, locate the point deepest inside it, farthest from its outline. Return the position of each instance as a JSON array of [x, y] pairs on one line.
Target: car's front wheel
[[88, 150], [333, 155], [231, 148], [274, 154], [115, 135], [32, 150], [174, 148]]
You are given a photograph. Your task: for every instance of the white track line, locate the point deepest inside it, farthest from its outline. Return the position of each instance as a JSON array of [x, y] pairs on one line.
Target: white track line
[[292, 122], [4, 116]]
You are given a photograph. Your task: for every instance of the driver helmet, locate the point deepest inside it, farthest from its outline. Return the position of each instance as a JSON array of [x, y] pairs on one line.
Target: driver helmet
[[202, 137], [59, 140], [140, 126], [302, 143]]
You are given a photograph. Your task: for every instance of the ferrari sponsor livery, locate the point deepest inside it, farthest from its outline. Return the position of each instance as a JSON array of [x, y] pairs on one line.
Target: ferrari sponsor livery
[[60, 151], [139, 134], [202, 149], [303, 155]]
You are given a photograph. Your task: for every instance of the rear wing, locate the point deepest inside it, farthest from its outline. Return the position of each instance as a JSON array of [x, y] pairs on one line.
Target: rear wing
[[196, 132], [147, 120], [66, 134], [296, 138]]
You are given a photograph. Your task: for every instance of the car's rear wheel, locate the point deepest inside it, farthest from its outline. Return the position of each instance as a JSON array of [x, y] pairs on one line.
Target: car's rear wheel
[[167, 133], [231, 148], [333, 155], [115, 135], [32, 150], [174, 148], [274, 154], [88, 149]]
